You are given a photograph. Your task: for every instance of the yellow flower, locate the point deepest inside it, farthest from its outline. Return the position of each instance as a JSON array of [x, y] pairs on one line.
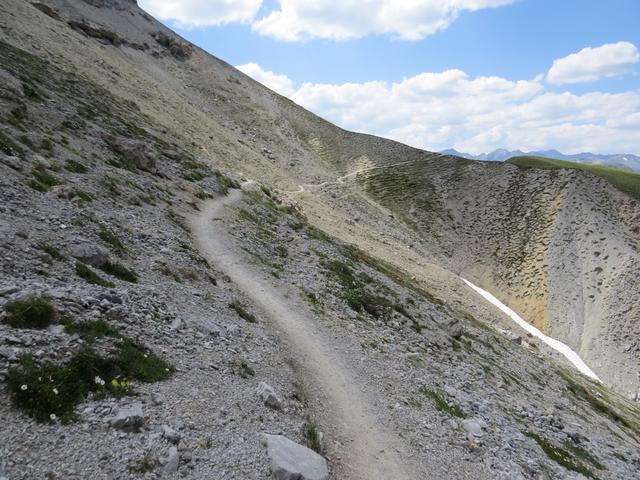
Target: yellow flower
[[114, 382]]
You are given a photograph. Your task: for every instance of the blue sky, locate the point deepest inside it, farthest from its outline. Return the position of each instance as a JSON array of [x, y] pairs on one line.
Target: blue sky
[[513, 42]]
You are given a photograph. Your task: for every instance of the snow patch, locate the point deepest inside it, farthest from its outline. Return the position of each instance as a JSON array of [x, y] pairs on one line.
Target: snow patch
[[564, 349]]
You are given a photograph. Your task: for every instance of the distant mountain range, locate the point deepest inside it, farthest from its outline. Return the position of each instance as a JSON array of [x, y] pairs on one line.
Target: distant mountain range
[[620, 160]]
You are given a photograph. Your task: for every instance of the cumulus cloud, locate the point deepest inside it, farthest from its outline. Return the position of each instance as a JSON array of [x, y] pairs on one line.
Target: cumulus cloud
[[297, 20], [203, 13], [276, 82], [589, 64], [436, 110]]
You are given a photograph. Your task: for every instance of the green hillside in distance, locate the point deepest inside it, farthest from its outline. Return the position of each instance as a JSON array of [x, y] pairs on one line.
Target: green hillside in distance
[[624, 180]]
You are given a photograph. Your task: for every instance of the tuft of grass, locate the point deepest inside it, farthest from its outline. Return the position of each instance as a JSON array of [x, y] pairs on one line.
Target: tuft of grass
[[52, 251], [145, 464], [120, 271], [243, 369], [313, 438], [441, 403], [92, 277], [561, 456], [75, 167], [583, 454], [242, 311], [624, 180], [42, 180], [356, 295], [225, 183], [178, 220], [90, 330], [9, 147], [110, 238], [30, 312]]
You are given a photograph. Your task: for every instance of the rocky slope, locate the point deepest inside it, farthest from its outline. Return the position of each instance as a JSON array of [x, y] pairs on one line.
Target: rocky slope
[[119, 143]]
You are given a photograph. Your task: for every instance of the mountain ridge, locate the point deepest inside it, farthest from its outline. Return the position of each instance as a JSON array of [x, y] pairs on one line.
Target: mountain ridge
[[620, 160]]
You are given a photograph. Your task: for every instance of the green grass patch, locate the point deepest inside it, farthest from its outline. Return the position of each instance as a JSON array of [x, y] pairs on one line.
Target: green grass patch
[[84, 272], [225, 183], [9, 147], [90, 330], [110, 238], [356, 294], [140, 363], [42, 180], [624, 180], [120, 271], [561, 456], [242, 311], [30, 312], [50, 392], [313, 438], [52, 251], [75, 167], [441, 403]]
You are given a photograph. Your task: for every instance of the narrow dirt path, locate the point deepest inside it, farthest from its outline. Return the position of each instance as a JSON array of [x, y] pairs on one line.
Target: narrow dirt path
[[368, 452], [340, 180]]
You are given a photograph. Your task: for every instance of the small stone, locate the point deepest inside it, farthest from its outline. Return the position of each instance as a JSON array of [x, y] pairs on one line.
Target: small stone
[[157, 399], [129, 419], [8, 290], [268, 396], [170, 434]]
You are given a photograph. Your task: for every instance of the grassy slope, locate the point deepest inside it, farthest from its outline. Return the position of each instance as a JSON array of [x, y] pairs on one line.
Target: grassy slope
[[628, 182]]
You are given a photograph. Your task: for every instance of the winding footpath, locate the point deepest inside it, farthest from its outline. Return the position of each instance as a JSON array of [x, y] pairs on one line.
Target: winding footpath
[[368, 452]]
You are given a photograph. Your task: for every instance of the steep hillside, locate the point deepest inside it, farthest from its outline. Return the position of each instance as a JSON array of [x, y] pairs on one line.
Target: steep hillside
[[559, 246], [190, 260]]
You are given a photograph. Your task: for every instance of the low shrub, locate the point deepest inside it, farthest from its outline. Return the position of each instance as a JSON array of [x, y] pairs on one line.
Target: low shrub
[[31, 312], [90, 330], [75, 167]]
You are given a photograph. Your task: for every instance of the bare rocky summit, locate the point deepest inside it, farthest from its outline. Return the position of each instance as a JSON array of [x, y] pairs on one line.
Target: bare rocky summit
[[192, 264]]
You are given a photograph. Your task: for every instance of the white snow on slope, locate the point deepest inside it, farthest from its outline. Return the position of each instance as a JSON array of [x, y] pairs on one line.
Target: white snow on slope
[[565, 350]]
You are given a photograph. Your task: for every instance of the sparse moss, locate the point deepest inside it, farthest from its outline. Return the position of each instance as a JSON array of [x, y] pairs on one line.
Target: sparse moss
[[141, 363], [90, 330], [30, 312]]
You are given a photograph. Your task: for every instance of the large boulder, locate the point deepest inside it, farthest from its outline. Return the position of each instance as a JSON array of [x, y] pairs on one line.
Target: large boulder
[[291, 461]]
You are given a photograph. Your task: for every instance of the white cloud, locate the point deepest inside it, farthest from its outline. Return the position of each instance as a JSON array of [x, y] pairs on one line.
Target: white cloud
[[203, 13], [276, 82], [407, 19], [609, 60], [439, 110]]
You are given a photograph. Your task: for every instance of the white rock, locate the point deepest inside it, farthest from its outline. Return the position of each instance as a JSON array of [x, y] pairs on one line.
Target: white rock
[[268, 396], [291, 461]]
